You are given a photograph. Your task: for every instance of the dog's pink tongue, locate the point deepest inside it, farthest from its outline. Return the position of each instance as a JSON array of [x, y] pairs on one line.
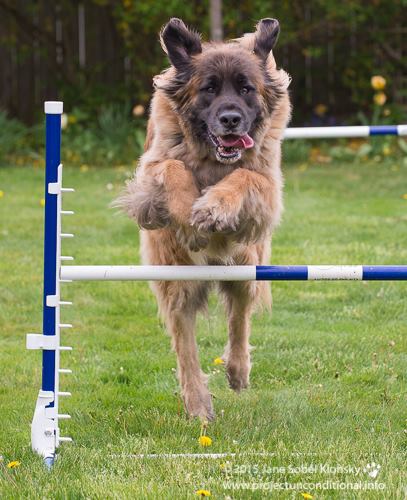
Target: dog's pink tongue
[[244, 141]]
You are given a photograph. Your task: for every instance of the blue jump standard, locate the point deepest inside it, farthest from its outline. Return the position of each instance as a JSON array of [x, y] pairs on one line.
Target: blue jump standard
[[53, 158]]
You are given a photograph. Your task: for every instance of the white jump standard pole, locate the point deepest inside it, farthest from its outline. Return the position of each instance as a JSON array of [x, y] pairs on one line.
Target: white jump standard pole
[[45, 435]]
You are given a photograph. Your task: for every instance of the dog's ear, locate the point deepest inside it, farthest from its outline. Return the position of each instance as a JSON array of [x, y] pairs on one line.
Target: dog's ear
[[180, 43], [267, 31]]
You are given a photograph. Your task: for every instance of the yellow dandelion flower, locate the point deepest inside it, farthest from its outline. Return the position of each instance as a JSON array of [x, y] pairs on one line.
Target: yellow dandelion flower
[[203, 493], [378, 82], [84, 168], [307, 496], [13, 464], [386, 150], [380, 98], [404, 196], [1, 194], [205, 441], [218, 361], [42, 202]]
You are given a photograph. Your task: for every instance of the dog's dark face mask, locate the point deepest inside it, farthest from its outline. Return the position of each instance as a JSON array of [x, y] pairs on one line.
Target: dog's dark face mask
[[222, 92]]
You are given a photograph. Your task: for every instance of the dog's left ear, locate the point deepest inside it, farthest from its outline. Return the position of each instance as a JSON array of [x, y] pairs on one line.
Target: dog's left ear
[[267, 31], [180, 43]]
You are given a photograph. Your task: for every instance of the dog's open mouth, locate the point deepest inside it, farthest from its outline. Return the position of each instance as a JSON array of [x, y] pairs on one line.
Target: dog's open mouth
[[229, 147]]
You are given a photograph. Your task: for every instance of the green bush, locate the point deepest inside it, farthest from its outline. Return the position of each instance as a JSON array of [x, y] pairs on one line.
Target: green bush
[[14, 137]]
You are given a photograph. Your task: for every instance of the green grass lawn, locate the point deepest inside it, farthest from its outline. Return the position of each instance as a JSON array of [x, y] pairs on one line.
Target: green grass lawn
[[328, 383]]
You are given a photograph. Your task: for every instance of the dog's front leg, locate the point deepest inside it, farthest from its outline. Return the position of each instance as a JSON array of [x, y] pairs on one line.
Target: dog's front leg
[[244, 203], [181, 193], [160, 195]]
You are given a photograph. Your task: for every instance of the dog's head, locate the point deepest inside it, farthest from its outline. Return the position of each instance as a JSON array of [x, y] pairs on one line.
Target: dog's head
[[223, 91]]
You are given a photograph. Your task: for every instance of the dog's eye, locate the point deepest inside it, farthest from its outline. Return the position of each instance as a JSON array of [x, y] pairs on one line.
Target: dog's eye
[[208, 90], [246, 90]]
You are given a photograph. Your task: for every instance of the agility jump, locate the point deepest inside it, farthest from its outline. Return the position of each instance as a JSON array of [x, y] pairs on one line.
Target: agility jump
[[45, 432]]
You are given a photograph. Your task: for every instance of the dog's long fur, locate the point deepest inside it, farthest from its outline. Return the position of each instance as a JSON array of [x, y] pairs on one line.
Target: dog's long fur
[[195, 210]]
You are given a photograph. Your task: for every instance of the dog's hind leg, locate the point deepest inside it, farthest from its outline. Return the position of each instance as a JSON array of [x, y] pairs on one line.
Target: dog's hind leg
[[179, 303], [240, 299]]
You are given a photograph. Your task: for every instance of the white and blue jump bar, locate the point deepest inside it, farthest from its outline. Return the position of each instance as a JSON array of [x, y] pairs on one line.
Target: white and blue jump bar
[[338, 132], [233, 273], [45, 433]]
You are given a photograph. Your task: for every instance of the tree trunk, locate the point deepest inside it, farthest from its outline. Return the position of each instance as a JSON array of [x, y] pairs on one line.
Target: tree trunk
[[216, 20]]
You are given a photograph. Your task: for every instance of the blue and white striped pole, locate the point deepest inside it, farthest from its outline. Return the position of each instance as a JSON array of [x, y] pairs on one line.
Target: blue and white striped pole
[[337, 132], [234, 273]]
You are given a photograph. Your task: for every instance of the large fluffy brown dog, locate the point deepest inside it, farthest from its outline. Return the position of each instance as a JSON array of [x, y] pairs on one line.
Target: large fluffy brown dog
[[208, 189]]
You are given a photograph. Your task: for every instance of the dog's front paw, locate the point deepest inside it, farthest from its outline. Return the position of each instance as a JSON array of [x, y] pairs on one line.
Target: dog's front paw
[[145, 202], [213, 216]]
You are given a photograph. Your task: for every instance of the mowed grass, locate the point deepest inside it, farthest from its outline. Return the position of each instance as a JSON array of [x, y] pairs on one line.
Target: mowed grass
[[328, 382]]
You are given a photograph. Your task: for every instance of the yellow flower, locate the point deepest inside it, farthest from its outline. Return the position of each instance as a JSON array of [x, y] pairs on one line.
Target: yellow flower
[[404, 196], [1, 194], [320, 109], [307, 496], [387, 112], [380, 98], [84, 168], [13, 464], [203, 493], [386, 150], [205, 441], [378, 82], [42, 202], [218, 361]]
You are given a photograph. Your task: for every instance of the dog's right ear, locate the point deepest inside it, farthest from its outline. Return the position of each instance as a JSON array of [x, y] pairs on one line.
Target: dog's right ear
[[180, 43]]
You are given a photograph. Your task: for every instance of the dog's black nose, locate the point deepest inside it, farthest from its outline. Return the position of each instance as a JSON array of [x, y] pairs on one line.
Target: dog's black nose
[[230, 119]]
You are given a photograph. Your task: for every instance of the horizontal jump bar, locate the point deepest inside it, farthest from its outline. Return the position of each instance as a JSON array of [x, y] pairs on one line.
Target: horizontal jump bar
[[232, 273], [332, 132]]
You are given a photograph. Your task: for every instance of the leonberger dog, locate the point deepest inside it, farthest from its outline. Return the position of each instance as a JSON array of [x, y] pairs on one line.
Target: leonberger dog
[[208, 188]]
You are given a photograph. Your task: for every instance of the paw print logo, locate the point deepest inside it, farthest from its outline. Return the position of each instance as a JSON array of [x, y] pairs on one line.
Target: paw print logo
[[372, 470]]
